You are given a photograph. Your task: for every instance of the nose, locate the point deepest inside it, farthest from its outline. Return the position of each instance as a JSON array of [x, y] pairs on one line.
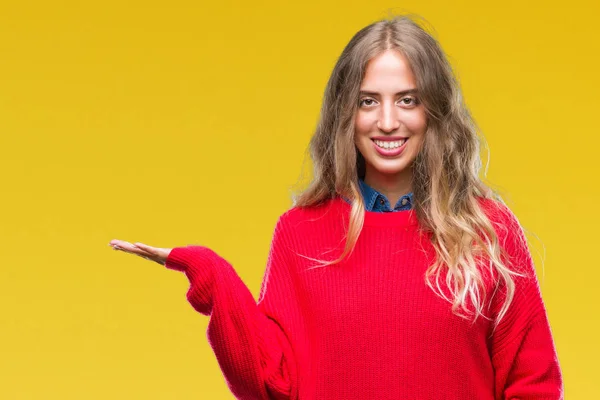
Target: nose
[[388, 118]]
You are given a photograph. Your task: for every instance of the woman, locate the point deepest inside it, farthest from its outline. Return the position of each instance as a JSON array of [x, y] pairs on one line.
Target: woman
[[434, 298]]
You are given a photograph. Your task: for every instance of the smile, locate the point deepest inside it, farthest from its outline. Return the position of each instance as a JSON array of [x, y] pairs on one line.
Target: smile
[[386, 144], [390, 148]]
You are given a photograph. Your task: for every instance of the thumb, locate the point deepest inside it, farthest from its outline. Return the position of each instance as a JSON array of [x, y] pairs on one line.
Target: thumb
[[158, 254]]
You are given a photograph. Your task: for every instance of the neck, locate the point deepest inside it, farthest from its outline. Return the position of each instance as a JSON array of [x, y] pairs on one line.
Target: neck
[[391, 186]]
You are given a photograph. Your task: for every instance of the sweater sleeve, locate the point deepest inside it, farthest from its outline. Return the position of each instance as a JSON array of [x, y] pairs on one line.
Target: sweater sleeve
[[249, 340], [522, 348]]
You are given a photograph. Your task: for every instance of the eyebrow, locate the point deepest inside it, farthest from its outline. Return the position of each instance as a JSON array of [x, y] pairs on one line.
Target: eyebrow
[[403, 92]]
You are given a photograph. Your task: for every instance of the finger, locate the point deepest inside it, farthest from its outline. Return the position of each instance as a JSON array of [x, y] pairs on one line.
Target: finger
[[117, 242], [122, 245], [140, 253], [129, 248], [154, 252], [148, 249]]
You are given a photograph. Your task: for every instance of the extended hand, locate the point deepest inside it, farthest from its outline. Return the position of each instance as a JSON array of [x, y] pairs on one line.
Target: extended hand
[[155, 254]]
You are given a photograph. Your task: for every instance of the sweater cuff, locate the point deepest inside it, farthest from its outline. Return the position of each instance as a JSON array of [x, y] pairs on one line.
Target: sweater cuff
[[198, 263]]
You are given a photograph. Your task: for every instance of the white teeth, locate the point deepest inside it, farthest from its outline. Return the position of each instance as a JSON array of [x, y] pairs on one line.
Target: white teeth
[[389, 145]]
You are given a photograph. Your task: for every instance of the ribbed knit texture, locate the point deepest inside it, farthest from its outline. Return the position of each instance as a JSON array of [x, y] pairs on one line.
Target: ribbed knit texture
[[369, 327]]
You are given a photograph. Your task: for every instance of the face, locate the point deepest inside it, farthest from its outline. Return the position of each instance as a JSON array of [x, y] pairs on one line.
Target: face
[[390, 121]]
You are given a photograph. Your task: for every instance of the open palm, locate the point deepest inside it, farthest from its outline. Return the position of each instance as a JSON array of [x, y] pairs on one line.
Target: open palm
[[155, 254]]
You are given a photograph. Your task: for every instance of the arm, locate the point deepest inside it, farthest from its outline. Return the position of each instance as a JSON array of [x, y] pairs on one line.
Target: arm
[[250, 340], [522, 348]]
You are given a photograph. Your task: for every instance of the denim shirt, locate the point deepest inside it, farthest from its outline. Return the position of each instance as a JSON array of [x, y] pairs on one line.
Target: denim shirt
[[377, 202]]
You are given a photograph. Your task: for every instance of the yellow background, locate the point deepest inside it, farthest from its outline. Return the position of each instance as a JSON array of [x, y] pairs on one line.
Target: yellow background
[[187, 122]]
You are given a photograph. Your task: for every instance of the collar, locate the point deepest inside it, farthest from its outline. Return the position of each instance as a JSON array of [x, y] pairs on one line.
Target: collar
[[378, 202]]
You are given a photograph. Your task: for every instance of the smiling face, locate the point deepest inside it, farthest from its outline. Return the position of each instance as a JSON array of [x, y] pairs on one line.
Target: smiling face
[[390, 122]]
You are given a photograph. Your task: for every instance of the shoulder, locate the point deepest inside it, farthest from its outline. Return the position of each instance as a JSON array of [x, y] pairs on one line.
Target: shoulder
[[499, 214], [306, 227], [510, 233], [297, 217]]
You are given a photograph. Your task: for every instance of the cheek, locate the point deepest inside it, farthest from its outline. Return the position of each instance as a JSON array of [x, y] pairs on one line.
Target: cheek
[[363, 123], [416, 123]]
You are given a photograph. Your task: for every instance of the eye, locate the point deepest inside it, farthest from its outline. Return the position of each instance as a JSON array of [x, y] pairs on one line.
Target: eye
[[361, 102], [409, 101], [405, 101]]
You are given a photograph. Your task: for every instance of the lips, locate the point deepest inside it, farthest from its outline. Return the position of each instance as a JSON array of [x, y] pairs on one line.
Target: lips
[[389, 138], [389, 152], [389, 144]]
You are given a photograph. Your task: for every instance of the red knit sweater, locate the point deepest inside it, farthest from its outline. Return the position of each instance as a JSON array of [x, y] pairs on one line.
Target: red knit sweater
[[370, 327]]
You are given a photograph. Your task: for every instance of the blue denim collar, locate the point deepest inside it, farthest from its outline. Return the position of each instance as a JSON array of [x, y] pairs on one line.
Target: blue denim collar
[[377, 202]]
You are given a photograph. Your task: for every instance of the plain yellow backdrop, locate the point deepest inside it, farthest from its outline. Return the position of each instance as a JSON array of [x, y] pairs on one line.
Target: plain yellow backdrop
[[181, 122]]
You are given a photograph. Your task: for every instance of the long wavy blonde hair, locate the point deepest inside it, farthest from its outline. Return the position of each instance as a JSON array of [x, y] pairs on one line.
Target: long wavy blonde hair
[[446, 184]]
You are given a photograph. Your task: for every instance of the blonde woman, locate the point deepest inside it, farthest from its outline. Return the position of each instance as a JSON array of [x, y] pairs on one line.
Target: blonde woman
[[397, 274]]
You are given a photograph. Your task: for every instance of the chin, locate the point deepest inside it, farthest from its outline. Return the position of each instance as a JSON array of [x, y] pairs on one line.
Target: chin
[[390, 168]]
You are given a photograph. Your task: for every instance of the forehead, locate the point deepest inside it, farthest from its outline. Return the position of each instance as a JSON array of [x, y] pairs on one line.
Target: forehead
[[388, 72]]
